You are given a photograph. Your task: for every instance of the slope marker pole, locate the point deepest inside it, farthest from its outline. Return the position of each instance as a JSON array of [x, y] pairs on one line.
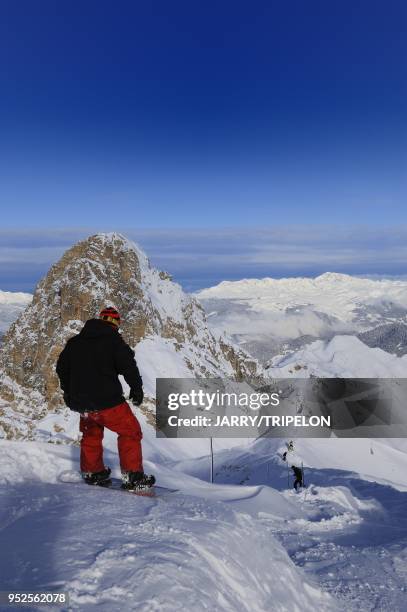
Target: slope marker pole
[[211, 441]]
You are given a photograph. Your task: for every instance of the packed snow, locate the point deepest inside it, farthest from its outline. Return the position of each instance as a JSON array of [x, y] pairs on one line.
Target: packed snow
[[113, 550], [353, 538], [340, 544]]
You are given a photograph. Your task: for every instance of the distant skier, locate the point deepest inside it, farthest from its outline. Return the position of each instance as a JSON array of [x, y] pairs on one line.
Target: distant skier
[[290, 446], [88, 370], [298, 477]]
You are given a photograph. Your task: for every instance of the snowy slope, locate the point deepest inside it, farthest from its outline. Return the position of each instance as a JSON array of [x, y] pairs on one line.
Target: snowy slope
[[343, 356], [11, 306], [350, 523], [380, 461], [113, 551], [356, 542], [221, 547]]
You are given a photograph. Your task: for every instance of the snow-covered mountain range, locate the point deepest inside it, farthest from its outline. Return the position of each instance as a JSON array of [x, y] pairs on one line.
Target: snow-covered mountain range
[[277, 318]]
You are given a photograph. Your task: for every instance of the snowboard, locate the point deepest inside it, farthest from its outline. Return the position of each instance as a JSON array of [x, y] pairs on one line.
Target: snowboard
[[70, 477], [154, 491]]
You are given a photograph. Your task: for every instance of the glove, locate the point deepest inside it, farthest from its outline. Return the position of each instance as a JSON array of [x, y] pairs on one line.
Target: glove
[[66, 399], [136, 396]]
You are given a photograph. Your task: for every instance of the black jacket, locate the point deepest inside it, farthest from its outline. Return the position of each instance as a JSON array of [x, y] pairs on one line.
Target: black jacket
[[89, 366]]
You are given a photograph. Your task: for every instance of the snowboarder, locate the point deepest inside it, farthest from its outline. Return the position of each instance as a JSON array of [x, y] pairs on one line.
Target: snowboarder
[[88, 369], [284, 456], [290, 446], [298, 477]]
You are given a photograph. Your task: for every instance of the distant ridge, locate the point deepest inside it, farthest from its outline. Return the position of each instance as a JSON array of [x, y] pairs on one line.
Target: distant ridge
[[391, 338]]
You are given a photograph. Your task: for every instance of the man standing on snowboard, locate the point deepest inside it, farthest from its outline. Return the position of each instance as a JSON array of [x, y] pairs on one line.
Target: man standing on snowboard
[[88, 370]]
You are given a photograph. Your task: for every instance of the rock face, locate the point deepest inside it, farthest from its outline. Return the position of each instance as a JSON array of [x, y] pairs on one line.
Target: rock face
[[107, 270]]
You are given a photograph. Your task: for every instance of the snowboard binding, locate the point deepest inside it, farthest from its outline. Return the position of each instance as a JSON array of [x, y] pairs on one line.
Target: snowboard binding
[[133, 481], [101, 479]]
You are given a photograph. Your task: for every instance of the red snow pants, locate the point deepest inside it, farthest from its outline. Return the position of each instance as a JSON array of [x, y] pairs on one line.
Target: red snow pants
[[122, 421]]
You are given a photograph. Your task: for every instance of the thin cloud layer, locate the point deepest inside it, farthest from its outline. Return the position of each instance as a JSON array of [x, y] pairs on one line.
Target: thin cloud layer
[[203, 257]]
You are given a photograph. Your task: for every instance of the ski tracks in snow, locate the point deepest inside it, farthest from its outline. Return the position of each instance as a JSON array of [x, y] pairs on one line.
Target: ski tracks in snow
[[356, 548]]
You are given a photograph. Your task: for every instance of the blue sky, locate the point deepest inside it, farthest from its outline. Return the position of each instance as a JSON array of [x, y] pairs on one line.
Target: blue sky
[[204, 115]]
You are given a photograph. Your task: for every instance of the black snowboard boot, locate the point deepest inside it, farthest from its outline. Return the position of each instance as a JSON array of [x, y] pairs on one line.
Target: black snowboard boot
[[102, 479], [137, 480]]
